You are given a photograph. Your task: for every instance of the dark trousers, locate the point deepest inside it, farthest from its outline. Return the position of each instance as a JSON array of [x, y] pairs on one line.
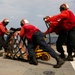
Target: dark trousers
[[3, 43], [61, 40], [71, 41], [38, 39]]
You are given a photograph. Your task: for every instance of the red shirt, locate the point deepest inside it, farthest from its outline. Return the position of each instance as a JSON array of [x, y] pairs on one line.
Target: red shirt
[[28, 30], [54, 28], [3, 29], [66, 20]]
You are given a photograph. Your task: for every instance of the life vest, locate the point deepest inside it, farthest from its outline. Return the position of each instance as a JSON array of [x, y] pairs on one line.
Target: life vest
[[68, 24], [29, 31]]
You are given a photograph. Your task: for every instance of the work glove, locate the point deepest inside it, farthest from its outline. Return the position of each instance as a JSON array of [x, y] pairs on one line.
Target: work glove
[[45, 18]]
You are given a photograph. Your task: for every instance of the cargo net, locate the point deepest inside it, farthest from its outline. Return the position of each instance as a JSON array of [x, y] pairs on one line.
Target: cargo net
[[17, 47]]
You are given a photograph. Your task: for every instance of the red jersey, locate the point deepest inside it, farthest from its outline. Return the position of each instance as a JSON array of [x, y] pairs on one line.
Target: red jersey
[[54, 28], [66, 20], [28, 30], [3, 29]]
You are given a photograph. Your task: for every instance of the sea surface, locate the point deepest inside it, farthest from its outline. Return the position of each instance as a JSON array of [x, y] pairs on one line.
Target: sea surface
[[52, 38]]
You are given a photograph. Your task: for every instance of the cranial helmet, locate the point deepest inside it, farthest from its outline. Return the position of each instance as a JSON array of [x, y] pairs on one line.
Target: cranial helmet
[[63, 7], [5, 21], [23, 21]]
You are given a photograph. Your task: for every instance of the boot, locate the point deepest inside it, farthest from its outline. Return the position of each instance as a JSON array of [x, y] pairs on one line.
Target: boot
[[33, 61], [62, 55], [60, 62], [69, 58]]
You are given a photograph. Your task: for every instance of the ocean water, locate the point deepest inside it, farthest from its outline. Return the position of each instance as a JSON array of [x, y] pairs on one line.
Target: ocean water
[[52, 39]]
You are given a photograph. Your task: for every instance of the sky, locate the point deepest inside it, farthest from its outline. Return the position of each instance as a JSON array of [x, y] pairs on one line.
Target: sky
[[32, 10]]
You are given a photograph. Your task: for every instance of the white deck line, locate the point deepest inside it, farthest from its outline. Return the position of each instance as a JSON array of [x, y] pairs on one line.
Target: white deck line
[[72, 62]]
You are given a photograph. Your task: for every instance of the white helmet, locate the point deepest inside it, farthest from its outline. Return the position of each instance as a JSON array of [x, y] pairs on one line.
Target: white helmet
[[6, 20], [23, 21], [63, 7]]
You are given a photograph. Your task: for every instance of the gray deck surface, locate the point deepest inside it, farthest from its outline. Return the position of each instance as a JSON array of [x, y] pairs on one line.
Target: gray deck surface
[[17, 67]]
